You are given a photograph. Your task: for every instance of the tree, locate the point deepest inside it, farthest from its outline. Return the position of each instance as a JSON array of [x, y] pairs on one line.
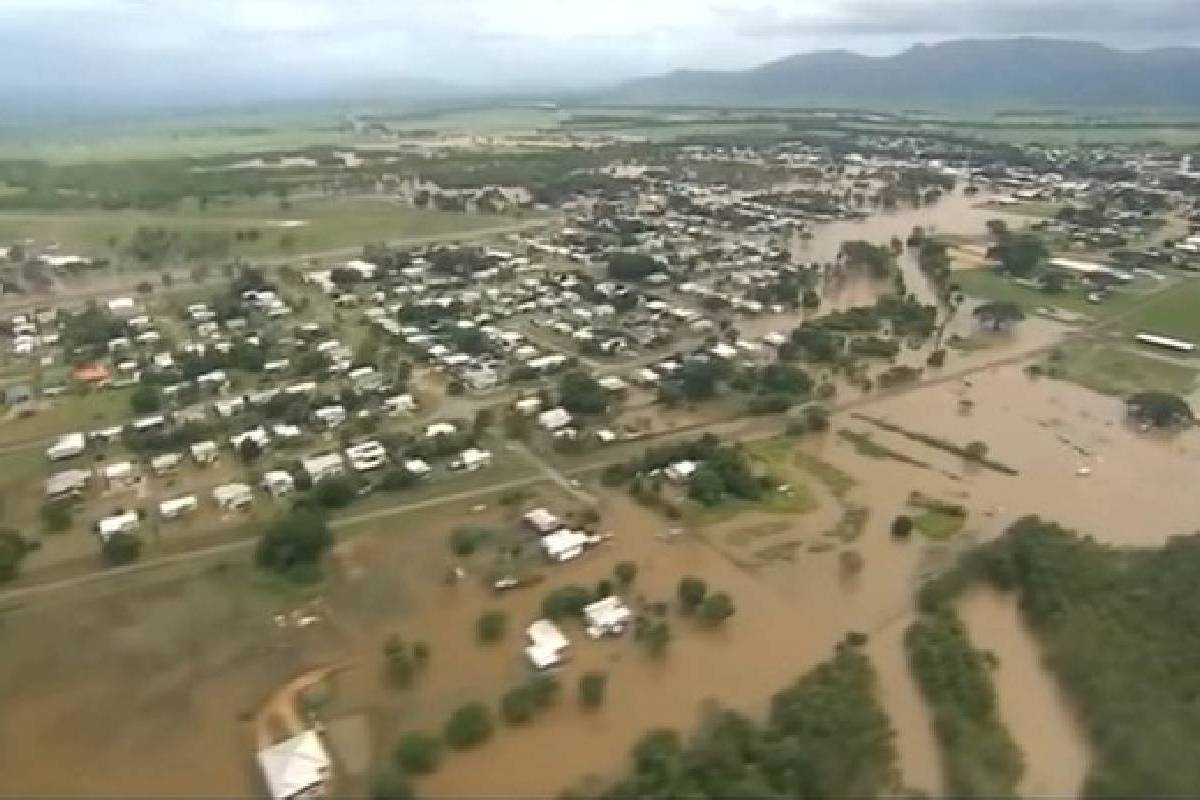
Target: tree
[[121, 548], [468, 726], [580, 393], [249, 450], [518, 705], [1159, 409], [655, 635], [491, 626], [146, 399], [56, 516], [389, 784], [706, 486], [484, 418], [625, 572], [13, 549], [334, 492], [1019, 254], [400, 661], [418, 753], [592, 689], [998, 314], [565, 601], [631, 266], [716, 608], [975, 451], [902, 526], [294, 543], [691, 592], [810, 300]]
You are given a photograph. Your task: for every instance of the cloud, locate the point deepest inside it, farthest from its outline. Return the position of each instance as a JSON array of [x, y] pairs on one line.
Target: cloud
[[293, 47]]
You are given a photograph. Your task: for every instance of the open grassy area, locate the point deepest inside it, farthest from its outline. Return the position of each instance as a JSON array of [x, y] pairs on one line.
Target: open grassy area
[[71, 412], [325, 223], [1114, 370], [987, 285], [1174, 312]]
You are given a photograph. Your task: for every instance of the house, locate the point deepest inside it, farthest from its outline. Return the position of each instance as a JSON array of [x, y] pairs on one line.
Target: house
[[330, 416], [417, 467], [278, 483], [564, 545], [399, 404], [547, 644], [281, 430], [607, 617], [66, 446], [366, 456], [681, 471], [176, 507], [166, 463], [471, 459], [440, 429], [528, 405], [92, 374], [120, 474], [69, 483], [257, 435], [233, 496], [322, 466], [127, 522], [298, 768], [541, 520], [554, 418], [204, 453]]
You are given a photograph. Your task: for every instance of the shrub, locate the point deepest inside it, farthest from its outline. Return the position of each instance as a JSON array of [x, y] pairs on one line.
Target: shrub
[[716, 608], [691, 592], [625, 572], [902, 526], [468, 726], [566, 601], [56, 517], [121, 548], [491, 626], [418, 753], [592, 689]]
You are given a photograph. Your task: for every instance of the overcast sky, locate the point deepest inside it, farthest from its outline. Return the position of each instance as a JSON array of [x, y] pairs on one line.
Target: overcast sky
[[232, 46]]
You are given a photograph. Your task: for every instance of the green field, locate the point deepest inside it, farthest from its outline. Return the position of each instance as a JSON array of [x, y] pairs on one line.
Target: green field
[[1114, 370], [987, 285], [328, 223]]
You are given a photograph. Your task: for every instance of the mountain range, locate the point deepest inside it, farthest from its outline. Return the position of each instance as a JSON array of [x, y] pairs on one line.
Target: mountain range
[[981, 73]]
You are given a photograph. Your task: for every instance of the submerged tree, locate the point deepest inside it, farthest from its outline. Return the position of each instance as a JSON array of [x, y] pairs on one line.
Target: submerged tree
[[999, 314], [1160, 409]]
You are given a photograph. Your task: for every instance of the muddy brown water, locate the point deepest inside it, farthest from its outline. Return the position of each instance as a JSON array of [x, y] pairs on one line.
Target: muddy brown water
[[1030, 699]]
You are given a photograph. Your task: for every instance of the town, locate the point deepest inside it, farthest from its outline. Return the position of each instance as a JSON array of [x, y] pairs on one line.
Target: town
[[350, 511]]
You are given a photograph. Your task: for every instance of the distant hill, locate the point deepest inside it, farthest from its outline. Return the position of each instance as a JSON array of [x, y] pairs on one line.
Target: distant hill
[[980, 73]]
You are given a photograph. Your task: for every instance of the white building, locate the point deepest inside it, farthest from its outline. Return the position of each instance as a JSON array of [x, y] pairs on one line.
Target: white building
[[541, 520], [127, 522], [564, 545], [607, 617], [472, 459], [278, 483], [233, 496], [554, 418], [176, 507], [204, 453], [298, 768], [547, 644], [366, 456], [322, 466], [67, 446], [681, 471]]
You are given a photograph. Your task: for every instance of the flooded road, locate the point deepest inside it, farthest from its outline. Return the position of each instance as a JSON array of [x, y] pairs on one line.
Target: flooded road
[[1032, 706]]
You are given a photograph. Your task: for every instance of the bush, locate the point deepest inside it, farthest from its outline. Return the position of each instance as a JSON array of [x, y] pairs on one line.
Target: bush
[[334, 492], [13, 549], [395, 480], [691, 592], [625, 572], [491, 626], [389, 784], [902, 526], [566, 601], [400, 661], [517, 706], [56, 517], [146, 399], [121, 548], [466, 540], [716, 608], [592, 688], [294, 543], [418, 753], [468, 726]]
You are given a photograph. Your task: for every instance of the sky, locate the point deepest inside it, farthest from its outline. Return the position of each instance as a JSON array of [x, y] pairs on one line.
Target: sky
[[228, 49]]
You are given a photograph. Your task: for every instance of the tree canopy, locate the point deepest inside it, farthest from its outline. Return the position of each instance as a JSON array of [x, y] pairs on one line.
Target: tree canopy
[[998, 314], [294, 543], [1160, 409]]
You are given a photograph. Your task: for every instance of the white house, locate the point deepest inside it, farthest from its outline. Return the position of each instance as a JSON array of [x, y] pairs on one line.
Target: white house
[[547, 644], [69, 483], [472, 459], [278, 483], [607, 617], [366, 456], [297, 768], [176, 507], [233, 496], [681, 471], [541, 520], [66, 446], [554, 418], [127, 522], [322, 466], [564, 545], [204, 453]]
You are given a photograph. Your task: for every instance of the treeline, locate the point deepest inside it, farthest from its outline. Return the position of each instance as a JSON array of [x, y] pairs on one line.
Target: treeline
[[1120, 628], [979, 756], [825, 736]]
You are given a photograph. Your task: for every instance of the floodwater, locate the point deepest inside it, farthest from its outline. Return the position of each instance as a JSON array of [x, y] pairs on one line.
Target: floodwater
[[956, 213], [1032, 706]]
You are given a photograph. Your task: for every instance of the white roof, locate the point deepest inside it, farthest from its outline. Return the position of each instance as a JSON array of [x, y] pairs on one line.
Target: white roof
[[554, 418], [564, 545], [229, 492], [117, 523], [607, 614], [545, 634], [293, 765], [541, 520]]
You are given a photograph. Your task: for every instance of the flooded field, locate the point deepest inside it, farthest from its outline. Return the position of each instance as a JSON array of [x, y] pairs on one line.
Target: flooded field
[[1031, 704]]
